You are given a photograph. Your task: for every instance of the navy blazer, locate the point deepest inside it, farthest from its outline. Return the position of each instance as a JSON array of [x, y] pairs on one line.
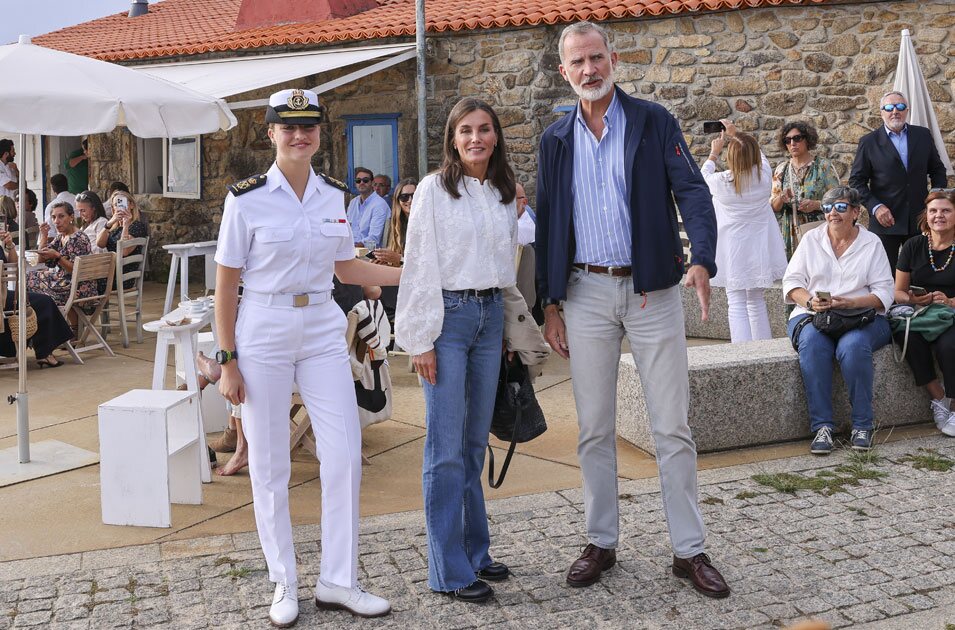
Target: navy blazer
[[880, 177], [661, 169]]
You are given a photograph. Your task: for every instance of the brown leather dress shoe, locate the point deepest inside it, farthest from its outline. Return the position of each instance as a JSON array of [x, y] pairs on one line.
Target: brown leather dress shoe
[[705, 577], [592, 562]]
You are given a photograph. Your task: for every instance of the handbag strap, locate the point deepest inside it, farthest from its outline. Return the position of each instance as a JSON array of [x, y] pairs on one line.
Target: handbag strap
[[507, 458]]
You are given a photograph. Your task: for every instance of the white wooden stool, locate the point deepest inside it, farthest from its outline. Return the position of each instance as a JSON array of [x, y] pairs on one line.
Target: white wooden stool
[[151, 455], [181, 253], [184, 339]]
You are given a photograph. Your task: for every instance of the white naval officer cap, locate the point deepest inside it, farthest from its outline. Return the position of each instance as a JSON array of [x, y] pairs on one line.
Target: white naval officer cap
[[294, 107]]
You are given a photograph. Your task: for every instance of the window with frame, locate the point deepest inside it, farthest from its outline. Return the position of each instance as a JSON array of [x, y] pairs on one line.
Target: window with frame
[[171, 167], [372, 143]]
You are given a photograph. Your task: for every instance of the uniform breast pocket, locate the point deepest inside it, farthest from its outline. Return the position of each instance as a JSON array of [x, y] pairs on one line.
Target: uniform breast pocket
[[335, 229], [274, 234]]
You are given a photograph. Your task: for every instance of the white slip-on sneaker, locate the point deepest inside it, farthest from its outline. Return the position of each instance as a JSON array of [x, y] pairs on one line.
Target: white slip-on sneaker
[[355, 600], [941, 411], [284, 610]]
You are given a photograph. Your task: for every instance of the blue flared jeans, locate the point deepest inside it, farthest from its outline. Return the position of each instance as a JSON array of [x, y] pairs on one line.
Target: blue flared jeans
[[458, 411], [853, 351]]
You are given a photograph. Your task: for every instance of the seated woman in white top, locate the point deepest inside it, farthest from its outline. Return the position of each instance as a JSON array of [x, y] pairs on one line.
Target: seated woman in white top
[[750, 255], [459, 254], [841, 267], [91, 210]]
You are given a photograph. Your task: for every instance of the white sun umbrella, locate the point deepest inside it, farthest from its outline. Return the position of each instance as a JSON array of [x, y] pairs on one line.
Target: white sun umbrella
[[910, 81], [54, 93]]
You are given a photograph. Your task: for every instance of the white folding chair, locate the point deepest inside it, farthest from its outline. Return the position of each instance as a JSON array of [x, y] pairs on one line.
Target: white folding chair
[[119, 302], [92, 268]]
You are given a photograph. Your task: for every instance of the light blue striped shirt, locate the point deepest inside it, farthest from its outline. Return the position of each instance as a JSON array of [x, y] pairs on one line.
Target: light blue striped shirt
[[901, 143], [601, 213]]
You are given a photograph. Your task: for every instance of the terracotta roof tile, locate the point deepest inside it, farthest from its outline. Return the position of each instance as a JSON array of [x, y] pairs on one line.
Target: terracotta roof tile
[[190, 27]]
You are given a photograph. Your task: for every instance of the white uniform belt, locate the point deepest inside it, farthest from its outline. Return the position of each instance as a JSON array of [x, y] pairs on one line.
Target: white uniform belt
[[287, 299]]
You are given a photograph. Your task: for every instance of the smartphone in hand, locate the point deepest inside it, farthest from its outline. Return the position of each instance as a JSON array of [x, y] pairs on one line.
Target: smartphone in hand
[[918, 291], [713, 126], [825, 296]]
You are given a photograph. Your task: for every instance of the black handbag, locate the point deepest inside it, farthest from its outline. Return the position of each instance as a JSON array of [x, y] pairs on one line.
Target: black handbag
[[517, 414], [836, 323]]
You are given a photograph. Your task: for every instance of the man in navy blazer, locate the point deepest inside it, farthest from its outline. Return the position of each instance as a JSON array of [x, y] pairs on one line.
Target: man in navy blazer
[[891, 169], [610, 175]]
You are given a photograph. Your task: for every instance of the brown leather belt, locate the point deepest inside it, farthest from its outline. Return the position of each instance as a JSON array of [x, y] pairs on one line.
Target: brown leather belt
[[608, 271]]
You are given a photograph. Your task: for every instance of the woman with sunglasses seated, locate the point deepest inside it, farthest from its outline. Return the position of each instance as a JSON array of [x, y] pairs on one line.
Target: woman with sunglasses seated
[[52, 330], [394, 252], [841, 267], [925, 275], [800, 182]]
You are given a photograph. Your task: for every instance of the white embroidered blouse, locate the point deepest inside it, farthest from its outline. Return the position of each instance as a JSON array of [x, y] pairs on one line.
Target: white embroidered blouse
[[452, 244]]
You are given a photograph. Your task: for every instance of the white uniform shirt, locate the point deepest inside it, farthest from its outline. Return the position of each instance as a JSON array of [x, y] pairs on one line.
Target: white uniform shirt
[[862, 270], [526, 229], [454, 244], [7, 176], [284, 245]]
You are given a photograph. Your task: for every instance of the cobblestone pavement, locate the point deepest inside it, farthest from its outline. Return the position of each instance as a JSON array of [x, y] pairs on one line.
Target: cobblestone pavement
[[880, 549]]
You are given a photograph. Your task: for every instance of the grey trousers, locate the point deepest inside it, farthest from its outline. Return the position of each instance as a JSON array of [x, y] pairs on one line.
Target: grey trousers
[[599, 311]]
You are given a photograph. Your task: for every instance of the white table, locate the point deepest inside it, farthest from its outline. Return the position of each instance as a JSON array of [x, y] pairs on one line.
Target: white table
[[182, 253], [184, 339]]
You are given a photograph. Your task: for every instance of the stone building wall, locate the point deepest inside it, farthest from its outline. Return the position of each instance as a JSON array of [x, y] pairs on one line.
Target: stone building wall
[[761, 67]]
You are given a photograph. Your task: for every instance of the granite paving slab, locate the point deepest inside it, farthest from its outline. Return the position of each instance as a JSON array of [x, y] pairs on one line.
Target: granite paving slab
[[874, 546]]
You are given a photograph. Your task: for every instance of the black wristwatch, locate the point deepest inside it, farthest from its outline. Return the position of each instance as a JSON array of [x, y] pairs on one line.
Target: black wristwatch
[[545, 302], [224, 356]]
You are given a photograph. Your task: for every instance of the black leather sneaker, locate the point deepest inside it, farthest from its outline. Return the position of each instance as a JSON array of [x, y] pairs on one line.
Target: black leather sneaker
[[494, 572]]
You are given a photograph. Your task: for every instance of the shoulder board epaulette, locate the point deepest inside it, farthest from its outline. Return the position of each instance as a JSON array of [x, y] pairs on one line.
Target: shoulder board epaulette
[[244, 186], [331, 181]]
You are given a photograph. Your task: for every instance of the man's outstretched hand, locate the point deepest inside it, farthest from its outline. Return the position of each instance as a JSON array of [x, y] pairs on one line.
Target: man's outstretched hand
[[699, 278]]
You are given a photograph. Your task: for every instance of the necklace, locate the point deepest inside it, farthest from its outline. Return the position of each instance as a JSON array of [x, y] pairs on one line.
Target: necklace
[[931, 256]]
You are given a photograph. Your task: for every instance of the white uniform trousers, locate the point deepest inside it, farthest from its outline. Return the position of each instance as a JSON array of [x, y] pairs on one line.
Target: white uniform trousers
[[599, 311], [278, 346]]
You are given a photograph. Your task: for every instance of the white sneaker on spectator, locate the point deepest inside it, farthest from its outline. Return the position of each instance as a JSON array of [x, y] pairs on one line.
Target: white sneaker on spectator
[[942, 412], [355, 600], [284, 610]]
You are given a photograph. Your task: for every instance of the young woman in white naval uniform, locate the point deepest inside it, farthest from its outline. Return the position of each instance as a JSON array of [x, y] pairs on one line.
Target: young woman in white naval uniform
[[285, 233]]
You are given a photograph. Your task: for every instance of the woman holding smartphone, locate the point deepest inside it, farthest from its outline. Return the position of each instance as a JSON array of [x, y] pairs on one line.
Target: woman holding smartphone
[[842, 266], [126, 223], [926, 275]]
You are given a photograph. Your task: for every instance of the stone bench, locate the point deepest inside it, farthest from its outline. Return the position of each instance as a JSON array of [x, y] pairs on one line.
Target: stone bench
[[752, 393], [718, 325]]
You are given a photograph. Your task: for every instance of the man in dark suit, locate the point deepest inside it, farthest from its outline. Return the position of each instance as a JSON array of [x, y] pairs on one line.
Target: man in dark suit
[[609, 251], [891, 169]]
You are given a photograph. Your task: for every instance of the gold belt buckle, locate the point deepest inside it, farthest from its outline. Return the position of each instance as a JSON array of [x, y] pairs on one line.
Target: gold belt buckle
[[300, 299]]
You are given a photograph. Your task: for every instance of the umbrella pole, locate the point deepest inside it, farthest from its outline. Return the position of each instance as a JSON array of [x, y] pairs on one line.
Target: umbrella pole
[[23, 408]]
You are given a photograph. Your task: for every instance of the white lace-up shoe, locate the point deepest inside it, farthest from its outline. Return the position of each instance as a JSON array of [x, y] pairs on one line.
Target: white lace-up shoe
[[941, 412], [355, 600], [284, 610]]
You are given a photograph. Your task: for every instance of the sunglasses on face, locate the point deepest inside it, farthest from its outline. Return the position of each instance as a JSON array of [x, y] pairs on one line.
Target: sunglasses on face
[[792, 139], [362, 180], [405, 197], [840, 206], [891, 107]]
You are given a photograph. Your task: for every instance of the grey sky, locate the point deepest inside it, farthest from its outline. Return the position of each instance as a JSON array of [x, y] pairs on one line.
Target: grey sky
[[36, 17]]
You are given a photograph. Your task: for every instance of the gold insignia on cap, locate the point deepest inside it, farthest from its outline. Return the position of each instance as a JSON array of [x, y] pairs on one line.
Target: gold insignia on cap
[[297, 100]]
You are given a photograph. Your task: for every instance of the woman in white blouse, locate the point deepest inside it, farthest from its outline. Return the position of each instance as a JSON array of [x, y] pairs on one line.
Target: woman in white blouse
[[842, 267], [750, 255], [91, 210], [459, 254]]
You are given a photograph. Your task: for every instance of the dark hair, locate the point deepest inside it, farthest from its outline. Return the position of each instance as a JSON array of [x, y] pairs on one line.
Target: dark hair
[[812, 138], [362, 169], [933, 196], [498, 170], [6, 145], [93, 199], [63, 204], [384, 177], [114, 186], [86, 144], [59, 183], [31, 199]]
